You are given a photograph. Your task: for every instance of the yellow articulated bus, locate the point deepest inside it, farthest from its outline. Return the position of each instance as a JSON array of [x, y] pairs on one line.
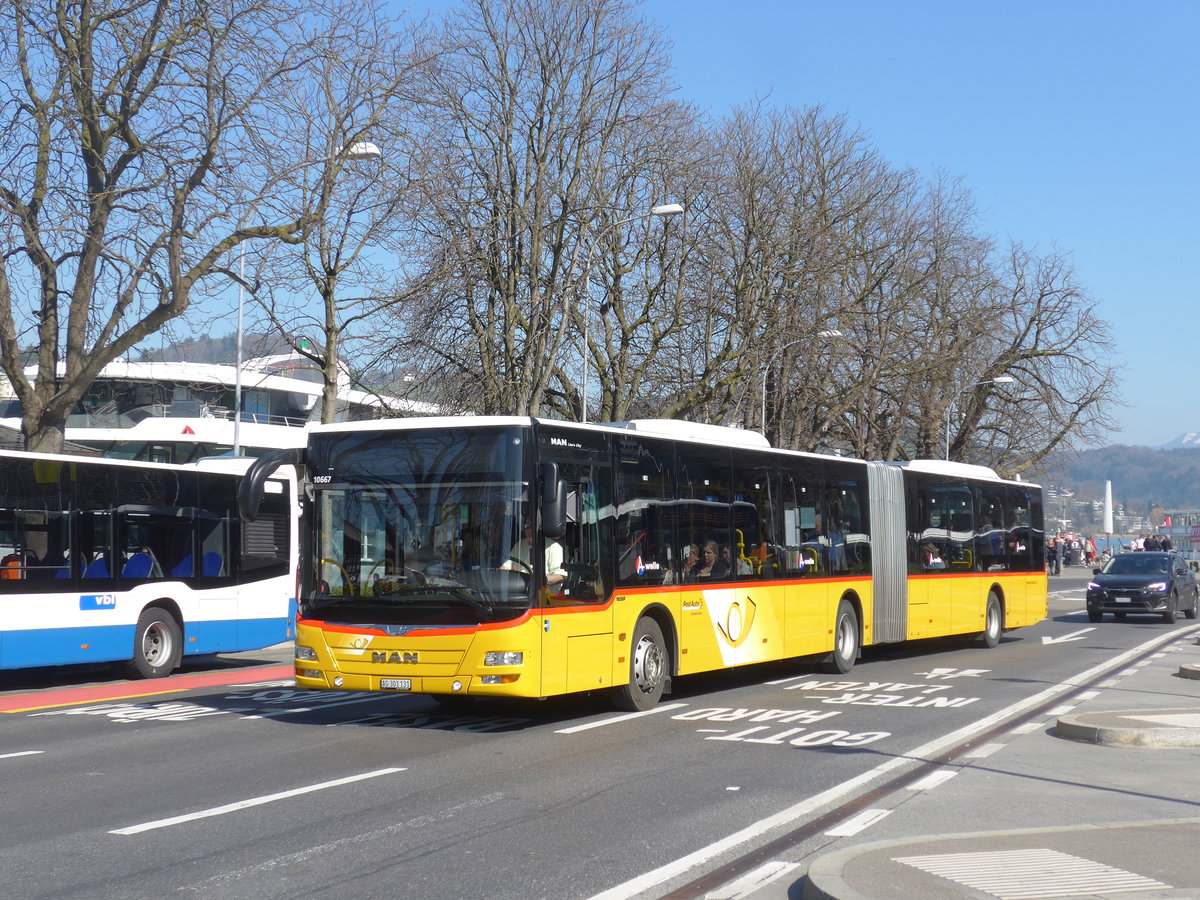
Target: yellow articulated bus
[[518, 557]]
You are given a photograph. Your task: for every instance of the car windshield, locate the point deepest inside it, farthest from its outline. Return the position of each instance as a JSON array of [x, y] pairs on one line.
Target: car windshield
[[412, 527], [1138, 564]]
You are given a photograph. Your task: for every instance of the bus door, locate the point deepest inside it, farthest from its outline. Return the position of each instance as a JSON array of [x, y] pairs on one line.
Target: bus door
[[574, 595]]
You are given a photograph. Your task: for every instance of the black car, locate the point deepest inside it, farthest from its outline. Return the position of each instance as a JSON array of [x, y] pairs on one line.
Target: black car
[[1144, 583]]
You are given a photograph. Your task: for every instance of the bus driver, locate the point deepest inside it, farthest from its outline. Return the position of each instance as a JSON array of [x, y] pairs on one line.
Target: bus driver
[[520, 557]]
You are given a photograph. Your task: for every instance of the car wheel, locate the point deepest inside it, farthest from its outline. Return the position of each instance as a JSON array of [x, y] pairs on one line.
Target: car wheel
[[1172, 611], [1094, 615], [1194, 609]]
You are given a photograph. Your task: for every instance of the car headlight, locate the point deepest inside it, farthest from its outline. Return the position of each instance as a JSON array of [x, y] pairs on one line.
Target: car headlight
[[1159, 587], [503, 658], [1092, 586]]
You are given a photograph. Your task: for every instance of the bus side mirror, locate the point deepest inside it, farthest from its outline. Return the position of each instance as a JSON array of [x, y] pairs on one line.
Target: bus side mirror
[[250, 490], [554, 502]]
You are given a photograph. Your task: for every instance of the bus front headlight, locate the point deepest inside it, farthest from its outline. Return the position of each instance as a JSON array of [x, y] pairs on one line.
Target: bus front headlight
[[306, 653], [504, 658]]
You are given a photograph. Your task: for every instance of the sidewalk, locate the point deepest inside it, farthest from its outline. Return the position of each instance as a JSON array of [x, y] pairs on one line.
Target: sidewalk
[[1098, 801]]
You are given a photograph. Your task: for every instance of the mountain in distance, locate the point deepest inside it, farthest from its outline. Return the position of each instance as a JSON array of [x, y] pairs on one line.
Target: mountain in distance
[[1143, 478], [1188, 439]]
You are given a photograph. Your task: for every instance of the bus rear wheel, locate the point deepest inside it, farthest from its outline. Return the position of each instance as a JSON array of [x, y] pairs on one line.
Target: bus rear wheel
[[845, 641], [157, 645], [647, 668]]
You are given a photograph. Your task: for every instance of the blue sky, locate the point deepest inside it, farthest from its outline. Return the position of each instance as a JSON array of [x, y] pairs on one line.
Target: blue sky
[[1073, 123]]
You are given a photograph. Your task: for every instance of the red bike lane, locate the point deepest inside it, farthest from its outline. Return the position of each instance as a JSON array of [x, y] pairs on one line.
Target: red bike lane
[[51, 698]]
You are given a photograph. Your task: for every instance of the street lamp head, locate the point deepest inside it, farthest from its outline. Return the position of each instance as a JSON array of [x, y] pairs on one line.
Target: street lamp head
[[1003, 379], [360, 150], [667, 209]]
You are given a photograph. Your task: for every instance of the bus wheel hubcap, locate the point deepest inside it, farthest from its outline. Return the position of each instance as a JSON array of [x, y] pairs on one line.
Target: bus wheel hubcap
[[647, 664]]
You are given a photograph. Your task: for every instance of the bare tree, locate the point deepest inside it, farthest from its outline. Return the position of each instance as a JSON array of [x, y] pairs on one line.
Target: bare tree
[[354, 97], [525, 111], [121, 126], [1048, 337]]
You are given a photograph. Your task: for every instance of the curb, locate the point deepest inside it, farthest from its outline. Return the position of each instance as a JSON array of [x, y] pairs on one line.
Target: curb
[[1189, 671], [1175, 727]]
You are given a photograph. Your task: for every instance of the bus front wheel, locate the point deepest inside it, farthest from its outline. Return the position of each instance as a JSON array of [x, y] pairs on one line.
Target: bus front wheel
[[647, 668], [993, 622], [157, 645], [845, 641]]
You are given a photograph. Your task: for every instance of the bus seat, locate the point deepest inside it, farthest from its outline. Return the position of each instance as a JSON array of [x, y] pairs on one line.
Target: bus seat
[[98, 568], [183, 568], [138, 566], [211, 564]]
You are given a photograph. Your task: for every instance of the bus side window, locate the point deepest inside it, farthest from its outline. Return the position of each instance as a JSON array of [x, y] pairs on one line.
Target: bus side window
[[645, 498], [802, 533]]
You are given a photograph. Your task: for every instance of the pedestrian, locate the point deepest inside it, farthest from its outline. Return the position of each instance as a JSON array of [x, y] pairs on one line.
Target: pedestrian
[[1052, 556]]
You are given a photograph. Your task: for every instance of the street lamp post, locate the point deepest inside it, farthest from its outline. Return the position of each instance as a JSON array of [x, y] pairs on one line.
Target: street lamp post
[[355, 152], [663, 211], [999, 379], [828, 334]]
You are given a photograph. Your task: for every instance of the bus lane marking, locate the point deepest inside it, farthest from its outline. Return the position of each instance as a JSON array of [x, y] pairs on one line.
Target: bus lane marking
[[795, 736], [254, 801]]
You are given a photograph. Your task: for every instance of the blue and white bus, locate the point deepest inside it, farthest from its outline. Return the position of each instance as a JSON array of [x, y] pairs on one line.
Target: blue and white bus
[[105, 560]]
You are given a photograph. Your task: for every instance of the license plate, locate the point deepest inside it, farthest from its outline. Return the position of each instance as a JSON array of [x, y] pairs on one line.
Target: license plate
[[1122, 599], [395, 684]]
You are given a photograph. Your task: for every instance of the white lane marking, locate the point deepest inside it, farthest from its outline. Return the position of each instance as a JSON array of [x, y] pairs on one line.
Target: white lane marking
[[933, 779], [21, 753], [1062, 709], [1062, 639], [855, 824], [613, 720], [246, 804], [792, 814], [1029, 727], [215, 886], [752, 881], [982, 751]]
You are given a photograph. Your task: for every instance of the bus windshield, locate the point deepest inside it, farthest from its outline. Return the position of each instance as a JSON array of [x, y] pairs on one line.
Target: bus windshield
[[417, 528]]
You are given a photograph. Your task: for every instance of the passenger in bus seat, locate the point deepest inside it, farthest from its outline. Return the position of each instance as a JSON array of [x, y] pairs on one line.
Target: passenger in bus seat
[[710, 564], [742, 567], [932, 557], [690, 557]]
